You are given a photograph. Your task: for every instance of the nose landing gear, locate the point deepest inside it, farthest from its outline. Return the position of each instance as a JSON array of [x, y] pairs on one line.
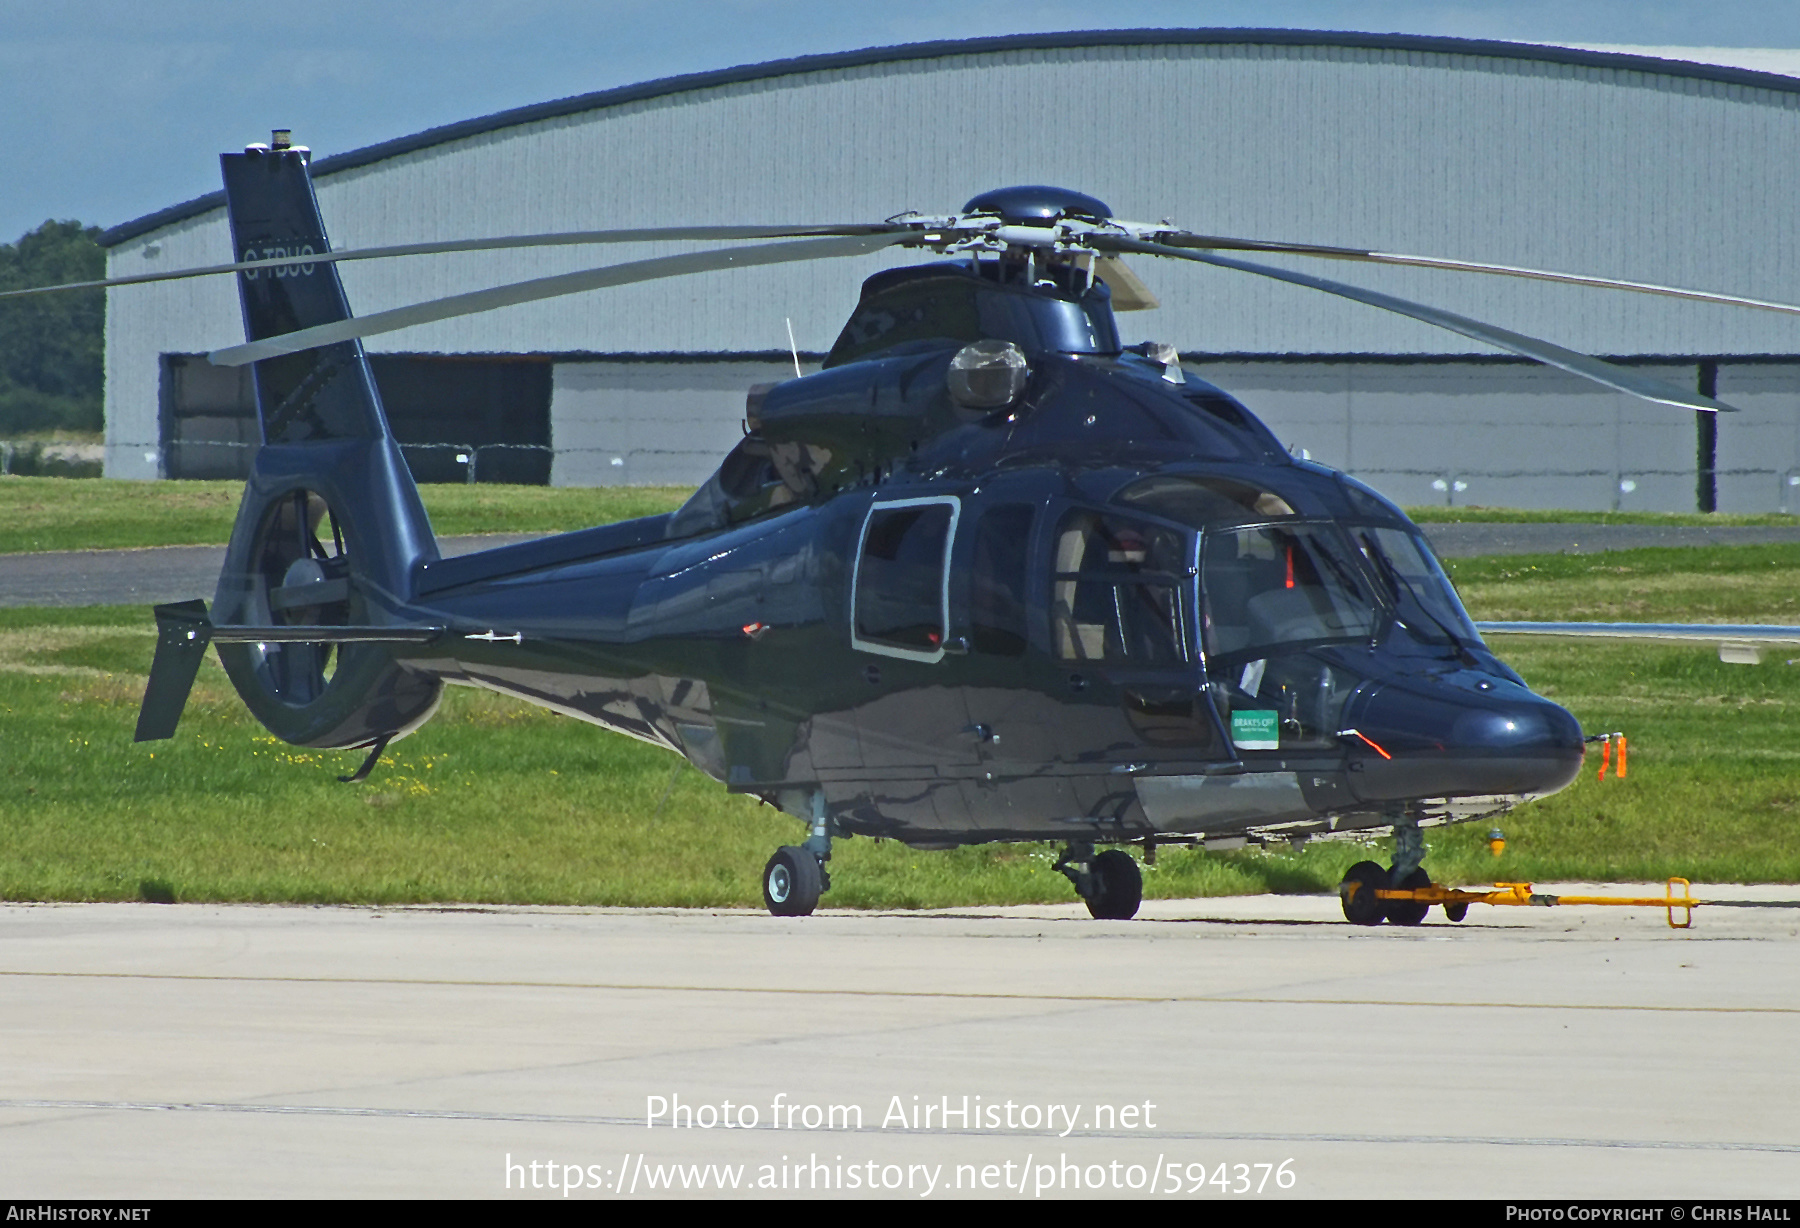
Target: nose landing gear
[[1362, 906]]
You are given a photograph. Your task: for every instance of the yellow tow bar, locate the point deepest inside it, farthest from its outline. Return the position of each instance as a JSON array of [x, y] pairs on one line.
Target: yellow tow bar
[[1521, 894]]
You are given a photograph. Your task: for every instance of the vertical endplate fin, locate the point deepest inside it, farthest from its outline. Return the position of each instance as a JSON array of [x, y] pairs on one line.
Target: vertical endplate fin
[[183, 631], [319, 394]]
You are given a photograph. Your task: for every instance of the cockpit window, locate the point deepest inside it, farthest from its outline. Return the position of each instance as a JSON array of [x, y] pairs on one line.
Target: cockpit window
[[1420, 591], [1266, 587], [1116, 592], [1204, 501]]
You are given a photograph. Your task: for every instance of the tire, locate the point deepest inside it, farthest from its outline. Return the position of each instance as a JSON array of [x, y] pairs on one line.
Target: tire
[[791, 882], [1118, 886], [1361, 905], [1409, 912], [1457, 911]]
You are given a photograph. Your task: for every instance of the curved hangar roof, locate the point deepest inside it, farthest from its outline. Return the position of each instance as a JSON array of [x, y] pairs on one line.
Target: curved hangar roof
[[1614, 164]]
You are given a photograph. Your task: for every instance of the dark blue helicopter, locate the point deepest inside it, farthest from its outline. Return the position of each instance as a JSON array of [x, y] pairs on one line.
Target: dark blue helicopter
[[990, 575]]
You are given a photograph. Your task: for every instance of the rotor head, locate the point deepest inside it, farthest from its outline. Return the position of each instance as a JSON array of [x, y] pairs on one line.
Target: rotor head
[[1037, 205]]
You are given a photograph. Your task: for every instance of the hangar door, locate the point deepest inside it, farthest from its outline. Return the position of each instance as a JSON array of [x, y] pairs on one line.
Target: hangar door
[[457, 419]]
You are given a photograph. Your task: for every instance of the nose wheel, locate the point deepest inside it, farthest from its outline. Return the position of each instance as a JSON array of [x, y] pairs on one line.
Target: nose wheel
[[1362, 906], [1357, 892], [1408, 912]]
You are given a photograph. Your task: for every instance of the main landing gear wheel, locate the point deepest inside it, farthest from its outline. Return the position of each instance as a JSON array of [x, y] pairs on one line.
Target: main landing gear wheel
[[1409, 912], [1118, 886], [1361, 905], [792, 882]]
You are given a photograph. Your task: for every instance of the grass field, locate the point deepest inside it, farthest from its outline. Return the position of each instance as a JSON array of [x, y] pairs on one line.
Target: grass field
[[497, 802], [102, 514]]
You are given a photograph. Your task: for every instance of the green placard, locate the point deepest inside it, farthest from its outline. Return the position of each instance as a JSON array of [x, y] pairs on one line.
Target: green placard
[[1256, 730]]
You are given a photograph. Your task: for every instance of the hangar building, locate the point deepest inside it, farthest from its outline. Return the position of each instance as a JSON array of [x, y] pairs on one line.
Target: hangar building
[[1620, 165]]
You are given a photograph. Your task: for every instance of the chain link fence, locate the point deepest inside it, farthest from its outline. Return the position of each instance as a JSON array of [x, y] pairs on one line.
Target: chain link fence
[[526, 464]]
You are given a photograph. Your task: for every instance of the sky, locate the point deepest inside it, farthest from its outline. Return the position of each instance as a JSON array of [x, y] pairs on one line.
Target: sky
[[111, 109]]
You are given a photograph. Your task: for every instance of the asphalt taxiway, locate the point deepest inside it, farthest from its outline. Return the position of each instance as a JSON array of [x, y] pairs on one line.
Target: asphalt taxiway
[[149, 575], [191, 1050]]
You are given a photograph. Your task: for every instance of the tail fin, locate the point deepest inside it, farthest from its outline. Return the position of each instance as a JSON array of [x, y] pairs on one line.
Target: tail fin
[[323, 428]]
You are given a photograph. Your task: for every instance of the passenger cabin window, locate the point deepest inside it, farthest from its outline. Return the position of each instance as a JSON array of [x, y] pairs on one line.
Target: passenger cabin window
[[997, 580], [1116, 592], [900, 603]]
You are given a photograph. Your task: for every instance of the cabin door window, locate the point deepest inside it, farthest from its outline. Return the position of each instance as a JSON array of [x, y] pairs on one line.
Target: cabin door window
[[901, 602]]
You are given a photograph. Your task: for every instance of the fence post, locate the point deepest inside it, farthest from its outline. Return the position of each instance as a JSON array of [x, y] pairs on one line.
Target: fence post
[[1625, 486], [1789, 481]]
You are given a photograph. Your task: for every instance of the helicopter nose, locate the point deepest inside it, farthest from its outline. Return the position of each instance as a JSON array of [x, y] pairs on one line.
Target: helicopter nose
[[1471, 737]]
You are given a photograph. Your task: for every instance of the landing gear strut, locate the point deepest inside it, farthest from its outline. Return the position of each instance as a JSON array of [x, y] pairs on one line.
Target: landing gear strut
[[1407, 871], [796, 876], [1110, 882]]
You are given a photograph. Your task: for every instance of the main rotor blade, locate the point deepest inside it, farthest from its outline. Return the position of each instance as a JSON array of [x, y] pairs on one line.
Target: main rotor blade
[[1215, 243], [1692, 633], [1621, 379], [1129, 293], [653, 234], [550, 287]]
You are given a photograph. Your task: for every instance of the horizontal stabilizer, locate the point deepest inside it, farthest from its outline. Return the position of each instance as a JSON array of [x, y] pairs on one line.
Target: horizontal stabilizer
[[184, 629], [304, 634]]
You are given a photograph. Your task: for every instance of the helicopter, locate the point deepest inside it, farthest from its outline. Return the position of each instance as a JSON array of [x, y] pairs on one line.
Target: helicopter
[[990, 574]]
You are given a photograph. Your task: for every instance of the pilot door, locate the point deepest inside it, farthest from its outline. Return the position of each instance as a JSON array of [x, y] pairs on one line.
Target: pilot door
[[1083, 666], [1123, 629]]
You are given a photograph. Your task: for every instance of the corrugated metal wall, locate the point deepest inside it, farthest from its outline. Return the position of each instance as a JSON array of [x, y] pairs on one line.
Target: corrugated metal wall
[[1617, 172]]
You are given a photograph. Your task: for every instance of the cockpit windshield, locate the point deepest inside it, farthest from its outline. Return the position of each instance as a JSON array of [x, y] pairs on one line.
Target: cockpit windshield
[[1266, 587], [1418, 588]]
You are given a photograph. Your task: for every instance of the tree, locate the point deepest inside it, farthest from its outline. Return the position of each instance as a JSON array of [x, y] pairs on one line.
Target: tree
[[51, 366]]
